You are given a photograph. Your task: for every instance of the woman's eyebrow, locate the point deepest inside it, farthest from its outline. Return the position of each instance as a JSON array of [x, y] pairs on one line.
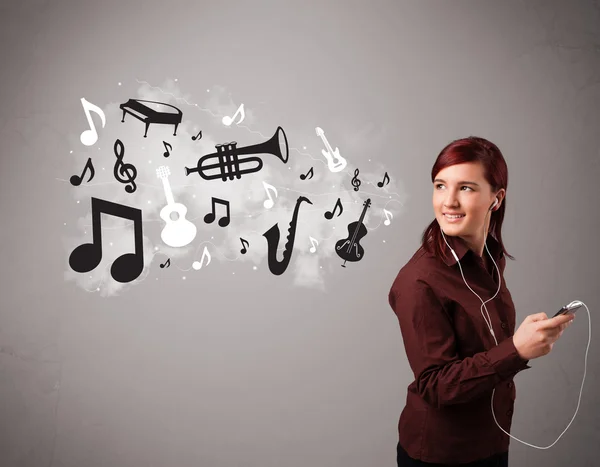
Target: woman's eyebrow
[[464, 182]]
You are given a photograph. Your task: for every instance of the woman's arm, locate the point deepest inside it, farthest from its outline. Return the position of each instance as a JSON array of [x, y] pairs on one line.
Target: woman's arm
[[443, 378]]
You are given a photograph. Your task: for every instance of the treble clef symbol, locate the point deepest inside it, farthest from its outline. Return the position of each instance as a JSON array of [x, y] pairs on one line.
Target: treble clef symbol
[[124, 172], [355, 180]]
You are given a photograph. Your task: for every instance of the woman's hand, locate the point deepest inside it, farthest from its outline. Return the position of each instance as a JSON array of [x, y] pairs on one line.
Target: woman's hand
[[537, 334]]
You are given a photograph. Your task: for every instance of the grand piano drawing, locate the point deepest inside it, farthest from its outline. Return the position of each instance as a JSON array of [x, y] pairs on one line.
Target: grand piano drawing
[[162, 114]]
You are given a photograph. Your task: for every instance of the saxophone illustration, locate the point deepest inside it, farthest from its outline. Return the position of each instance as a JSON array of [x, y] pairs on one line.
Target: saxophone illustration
[[272, 235]]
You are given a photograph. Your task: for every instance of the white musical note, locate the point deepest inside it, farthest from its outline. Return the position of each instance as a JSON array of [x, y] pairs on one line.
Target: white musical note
[[229, 120], [314, 243], [198, 264], [388, 216], [89, 137], [268, 204]]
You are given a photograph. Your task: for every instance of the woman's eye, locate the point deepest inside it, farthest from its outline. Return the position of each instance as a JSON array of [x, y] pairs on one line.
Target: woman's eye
[[464, 186]]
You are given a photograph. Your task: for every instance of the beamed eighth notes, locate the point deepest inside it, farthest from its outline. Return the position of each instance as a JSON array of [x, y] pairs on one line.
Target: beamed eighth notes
[[87, 256]]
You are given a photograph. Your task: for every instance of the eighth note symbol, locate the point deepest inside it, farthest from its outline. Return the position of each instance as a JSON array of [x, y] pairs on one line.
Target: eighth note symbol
[[381, 183], [210, 217], [87, 256], [229, 120], [268, 203], [76, 181], [308, 174], [197, 265], [388, 217], [338, 203], [244, 250], [167, 153], [198, 136], [314, 243], [89, 137], [167, 263]]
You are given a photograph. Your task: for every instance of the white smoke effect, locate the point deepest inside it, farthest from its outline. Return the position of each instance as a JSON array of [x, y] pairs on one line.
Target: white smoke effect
[[249, 218]]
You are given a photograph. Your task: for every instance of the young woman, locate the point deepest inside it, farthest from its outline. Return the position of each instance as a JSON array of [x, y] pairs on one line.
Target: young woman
[[463, 350]]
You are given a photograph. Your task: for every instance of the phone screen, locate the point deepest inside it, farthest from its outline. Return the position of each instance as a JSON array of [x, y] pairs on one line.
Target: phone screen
[[564, 311]]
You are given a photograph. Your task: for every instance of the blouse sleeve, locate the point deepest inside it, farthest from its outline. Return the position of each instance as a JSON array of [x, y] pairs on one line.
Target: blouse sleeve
[[442, 378]]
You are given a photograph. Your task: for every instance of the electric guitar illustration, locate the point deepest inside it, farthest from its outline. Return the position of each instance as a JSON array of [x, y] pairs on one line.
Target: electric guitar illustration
[[334, 166], [178, 232]]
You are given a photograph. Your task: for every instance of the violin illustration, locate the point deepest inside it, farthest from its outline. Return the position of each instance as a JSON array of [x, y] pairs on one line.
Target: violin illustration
[[348, 248]]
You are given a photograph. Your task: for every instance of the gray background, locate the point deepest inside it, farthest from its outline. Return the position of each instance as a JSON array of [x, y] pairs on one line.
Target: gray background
[[235, 366]]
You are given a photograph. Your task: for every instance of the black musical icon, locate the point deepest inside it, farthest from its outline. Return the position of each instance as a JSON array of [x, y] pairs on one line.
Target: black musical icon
[[272, 235], [127, 172], [166, 264], [329, 214], [147, 115], [228, 164], [247, 244], [87, 256], [355, 180], [210, 217], [381, 183], [76, 180], [168, 149], [348, 248], [198, 136], [310, 172]]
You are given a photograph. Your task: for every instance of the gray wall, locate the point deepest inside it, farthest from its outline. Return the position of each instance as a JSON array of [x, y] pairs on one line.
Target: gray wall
[[234, 366]]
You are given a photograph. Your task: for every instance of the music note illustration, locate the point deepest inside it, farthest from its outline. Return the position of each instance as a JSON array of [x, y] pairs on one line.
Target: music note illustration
[[210, 217], [197, 265], [388, 217], [310, 172], [89, 137], [167, 153], [381, 183], [314, 243], [166, 264], [338, 203], [247, 244], [76, 181], [87, 256], [198, 136], [269, 203], [229, 120], [355, 180], [127, 172]]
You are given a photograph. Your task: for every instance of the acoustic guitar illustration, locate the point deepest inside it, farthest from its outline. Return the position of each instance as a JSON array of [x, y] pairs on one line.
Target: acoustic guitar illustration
[[180, 231]]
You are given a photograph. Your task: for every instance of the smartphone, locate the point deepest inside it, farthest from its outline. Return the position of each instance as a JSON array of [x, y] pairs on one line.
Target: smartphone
[[570, 308]]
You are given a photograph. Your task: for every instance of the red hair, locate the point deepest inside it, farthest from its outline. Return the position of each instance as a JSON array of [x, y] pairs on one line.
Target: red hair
[[471, 149]]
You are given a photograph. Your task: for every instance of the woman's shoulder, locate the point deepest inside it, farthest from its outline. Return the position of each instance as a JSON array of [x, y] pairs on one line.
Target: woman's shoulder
[[420, 268]]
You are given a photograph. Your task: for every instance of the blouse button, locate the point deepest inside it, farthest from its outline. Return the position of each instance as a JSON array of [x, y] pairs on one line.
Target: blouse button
[[503, 325], [509, 412], [510, 384]]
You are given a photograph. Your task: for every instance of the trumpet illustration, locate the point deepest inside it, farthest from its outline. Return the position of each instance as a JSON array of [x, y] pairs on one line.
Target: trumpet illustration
[[228, 164]]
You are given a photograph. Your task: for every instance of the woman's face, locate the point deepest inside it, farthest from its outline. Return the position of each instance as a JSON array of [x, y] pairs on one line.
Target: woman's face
[[462, 189]]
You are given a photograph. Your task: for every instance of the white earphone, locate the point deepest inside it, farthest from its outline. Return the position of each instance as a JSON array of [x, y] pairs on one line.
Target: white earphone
[[489, 323]]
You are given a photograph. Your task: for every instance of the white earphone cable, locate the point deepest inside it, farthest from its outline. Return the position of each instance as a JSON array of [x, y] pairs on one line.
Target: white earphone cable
[[489, 324]]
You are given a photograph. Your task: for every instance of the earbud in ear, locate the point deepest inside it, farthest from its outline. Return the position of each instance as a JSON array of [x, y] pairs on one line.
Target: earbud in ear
[[495, 203]]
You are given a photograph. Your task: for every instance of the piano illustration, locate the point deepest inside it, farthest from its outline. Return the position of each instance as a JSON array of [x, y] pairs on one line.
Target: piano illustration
[[162, 113]]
